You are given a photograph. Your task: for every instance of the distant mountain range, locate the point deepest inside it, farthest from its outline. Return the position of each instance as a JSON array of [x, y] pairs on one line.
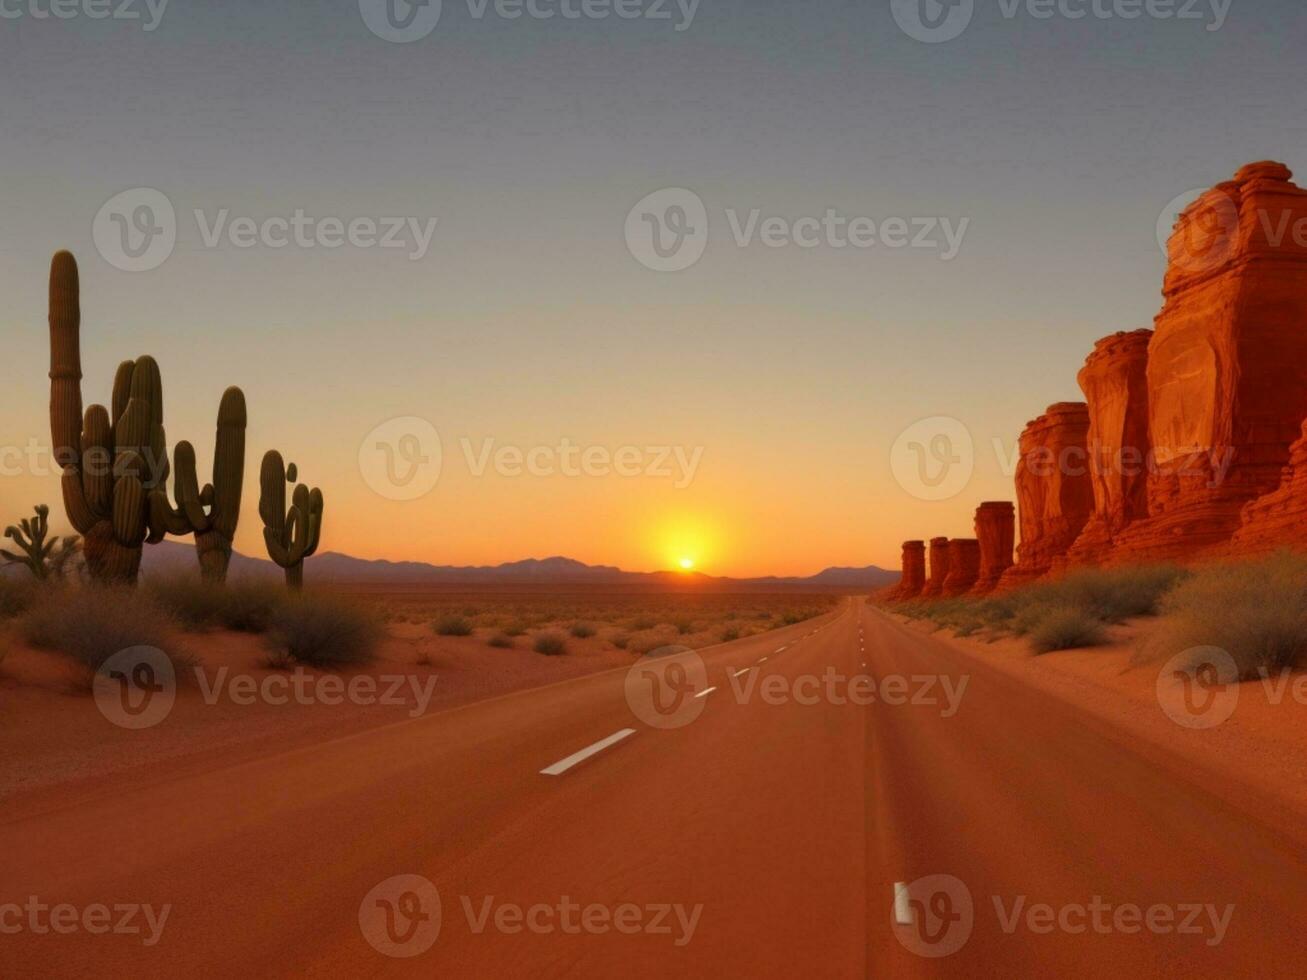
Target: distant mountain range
[[337, 569]]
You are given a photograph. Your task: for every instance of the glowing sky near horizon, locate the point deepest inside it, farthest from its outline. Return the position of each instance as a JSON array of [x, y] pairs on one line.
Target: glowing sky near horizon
[[528, 322]]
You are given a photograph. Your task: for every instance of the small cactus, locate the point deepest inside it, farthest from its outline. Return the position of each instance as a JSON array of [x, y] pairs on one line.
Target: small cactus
[[291, 535], [214, 528], [110, 463], [39, 556]]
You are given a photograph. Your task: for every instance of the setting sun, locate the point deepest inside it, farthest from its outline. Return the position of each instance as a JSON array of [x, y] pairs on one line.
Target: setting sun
[[687, 563]]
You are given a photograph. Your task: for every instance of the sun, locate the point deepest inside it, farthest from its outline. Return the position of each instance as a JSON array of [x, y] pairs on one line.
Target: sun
[[686, 563]]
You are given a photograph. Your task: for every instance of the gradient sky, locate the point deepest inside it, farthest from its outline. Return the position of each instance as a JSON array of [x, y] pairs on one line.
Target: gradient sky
[[528, 321]]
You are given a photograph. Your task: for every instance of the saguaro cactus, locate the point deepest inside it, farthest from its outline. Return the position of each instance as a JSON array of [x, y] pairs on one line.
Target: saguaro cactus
[[291, 535], [39, 556], [109, 466], [214, 528]]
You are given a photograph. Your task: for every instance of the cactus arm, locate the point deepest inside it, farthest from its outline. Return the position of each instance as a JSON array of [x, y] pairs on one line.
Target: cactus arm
[[129, 511], [276, 550], [122, 389], [229, 462], [65, 359], [315, 522], [97, 461], [80, 514], [186, 488], [272, 493]]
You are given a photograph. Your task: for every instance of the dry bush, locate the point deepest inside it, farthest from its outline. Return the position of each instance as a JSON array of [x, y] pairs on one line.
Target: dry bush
[[550, 644], [90, 624], [1256, 611], [452, 626], [322, 630], [246, 607], [500, 640], [582, 631], [1067, 628], [17, 595]]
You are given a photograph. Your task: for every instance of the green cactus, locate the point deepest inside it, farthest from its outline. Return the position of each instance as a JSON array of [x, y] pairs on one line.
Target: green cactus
[[214, 528], [109, 463], [39, 556], [291, 535]]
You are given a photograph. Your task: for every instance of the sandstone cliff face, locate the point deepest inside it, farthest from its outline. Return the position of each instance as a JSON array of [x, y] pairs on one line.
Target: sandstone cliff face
[[939, 555], [1278, 519], [996, 533], [963, 566], [1054, 492], [1226, 386], [1115, 382], [914, 571]]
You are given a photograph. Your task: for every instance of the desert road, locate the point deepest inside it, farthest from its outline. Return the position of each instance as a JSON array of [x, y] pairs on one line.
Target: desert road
[[768, 832]]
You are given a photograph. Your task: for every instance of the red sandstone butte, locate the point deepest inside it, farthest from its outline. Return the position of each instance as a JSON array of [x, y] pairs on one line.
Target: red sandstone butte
[[1278, 519], [1115, 382], [1227, 391], [996, 531], [938, 568], [963, 566], [1054, 494], [914, 571]]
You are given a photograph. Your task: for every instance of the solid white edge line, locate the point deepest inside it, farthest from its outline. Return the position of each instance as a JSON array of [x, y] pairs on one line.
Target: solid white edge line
[[560, 767], [742, 670], [902, 910], [705, 692]]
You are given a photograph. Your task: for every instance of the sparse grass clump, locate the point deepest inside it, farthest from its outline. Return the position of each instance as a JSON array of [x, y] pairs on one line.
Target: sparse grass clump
[[582, 630], [325, 631], [246, 607], [1067, 628], [550, 644], [89, 625], [500, 640], [729, 634], [621, 640], [1256, 611], [17, 595], [452, 626]]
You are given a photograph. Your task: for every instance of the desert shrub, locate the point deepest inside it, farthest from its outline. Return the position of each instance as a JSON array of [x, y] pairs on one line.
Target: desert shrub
[[89, 625], [550, 644], [641, 623], [500, 640], [1066, 628], [247, 607], [683, 626], [320, 630], [514, 629], [621, 640], [1111, 594], [17, 595], [729, 634], [1256, 611], [582, 630], [452, 626]]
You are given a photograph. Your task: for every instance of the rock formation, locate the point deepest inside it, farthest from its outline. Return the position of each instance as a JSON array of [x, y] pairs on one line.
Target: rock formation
[[914, 571], [1278, 519], [996, 532], [1054, 493], [1115, 382], [1226, 386], [963, 566], [939, 556]]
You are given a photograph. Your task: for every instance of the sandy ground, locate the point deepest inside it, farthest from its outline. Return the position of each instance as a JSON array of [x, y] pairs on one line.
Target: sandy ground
[[57, 742], [1263, 742]]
